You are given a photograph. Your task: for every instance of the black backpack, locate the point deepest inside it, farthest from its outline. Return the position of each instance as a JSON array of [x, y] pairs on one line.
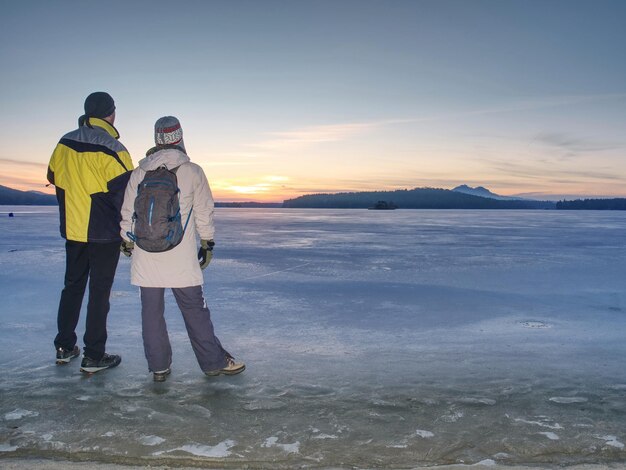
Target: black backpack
[[157, 224]]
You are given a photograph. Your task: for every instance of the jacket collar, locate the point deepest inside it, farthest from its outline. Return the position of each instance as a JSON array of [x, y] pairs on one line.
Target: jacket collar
[[97, 122]]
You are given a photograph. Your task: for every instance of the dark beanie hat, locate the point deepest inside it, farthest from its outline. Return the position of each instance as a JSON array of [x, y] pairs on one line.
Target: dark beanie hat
[[99, 105]]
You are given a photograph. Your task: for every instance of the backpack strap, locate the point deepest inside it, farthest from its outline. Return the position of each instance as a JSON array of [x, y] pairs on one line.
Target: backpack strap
[[174, 170], [187, 221]]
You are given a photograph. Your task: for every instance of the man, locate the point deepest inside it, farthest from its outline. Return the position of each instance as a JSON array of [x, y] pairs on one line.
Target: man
[[89, 168], [154, 270]]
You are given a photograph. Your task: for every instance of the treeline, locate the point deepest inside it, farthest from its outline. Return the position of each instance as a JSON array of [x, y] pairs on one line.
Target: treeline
[[617, 204], [418, 198]]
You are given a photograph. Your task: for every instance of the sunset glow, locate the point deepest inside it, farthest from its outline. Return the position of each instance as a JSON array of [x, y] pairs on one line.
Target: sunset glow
[[322, 97]]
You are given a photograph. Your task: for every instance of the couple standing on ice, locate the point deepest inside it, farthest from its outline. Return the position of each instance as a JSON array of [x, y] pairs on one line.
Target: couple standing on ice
[[96, 188]]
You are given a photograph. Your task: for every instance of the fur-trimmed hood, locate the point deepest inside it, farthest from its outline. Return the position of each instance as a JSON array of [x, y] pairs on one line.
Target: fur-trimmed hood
[[170, 156]]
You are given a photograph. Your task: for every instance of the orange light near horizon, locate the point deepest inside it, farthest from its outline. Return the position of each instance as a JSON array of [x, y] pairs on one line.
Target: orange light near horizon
[[24, 176], [261, 189], [256, 189]]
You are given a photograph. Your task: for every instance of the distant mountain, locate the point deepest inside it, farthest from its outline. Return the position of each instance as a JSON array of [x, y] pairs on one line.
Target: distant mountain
[[483, 192], [418, 198], [14, 197]]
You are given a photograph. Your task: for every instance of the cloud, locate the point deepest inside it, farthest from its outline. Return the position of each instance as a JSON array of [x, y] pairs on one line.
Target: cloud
[[530, 104], [311, 135], [231, 158], [545, 173], [12, 161], [572, 145], [230, 163]]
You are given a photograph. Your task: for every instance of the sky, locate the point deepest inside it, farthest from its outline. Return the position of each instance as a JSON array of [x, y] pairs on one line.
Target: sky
[[283, 98]]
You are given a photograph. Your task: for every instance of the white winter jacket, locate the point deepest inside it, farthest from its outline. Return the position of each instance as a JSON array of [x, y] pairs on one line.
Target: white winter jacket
[[179, 266]]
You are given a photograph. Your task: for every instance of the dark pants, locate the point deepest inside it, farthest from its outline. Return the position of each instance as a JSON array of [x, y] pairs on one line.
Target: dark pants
[[96, 262], [206, 346]]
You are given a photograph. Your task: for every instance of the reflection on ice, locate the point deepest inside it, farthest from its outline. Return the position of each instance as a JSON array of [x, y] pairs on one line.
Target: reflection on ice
[[372, 340]]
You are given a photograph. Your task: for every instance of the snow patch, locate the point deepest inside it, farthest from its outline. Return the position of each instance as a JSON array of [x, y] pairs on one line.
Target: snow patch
[[288, 448], [7, 448], [534, 324], [151, 440], [543, 423], [424, 434], [612, 441], [19, 414], [550, 435], [221, 450], [257, 405], [478, 401], [566, 400], [324, 436], [452, 417], [486, 463]]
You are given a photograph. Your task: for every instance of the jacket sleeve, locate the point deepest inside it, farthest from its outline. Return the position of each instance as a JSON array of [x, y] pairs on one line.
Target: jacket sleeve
[[203, 206], [51, 166], [128, 206]]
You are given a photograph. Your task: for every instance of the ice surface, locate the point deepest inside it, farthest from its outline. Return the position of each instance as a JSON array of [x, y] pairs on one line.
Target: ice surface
[[501, 334]]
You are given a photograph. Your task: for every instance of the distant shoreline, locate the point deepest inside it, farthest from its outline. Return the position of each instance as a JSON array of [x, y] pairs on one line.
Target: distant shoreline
[[14, 208], [461, 197]]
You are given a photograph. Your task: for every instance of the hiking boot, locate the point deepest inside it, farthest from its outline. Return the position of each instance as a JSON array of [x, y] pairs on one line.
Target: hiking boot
[[66, 355], [161, 375], [91, 366], [232, 368]]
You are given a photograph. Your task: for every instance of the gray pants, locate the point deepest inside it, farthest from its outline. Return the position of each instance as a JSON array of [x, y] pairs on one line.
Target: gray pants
[[208, 349]]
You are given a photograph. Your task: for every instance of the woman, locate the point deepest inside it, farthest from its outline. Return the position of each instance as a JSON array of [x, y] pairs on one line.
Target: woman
[[177, 268]]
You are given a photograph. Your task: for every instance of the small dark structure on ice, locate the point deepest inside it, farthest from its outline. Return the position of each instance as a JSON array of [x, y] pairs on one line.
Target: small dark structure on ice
[[383, 206]]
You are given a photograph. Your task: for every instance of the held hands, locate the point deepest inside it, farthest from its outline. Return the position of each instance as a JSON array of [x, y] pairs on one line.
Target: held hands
[[205, 253], [127, 248]]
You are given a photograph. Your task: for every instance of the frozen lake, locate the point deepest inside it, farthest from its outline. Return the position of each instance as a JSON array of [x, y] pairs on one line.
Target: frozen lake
[[378, 339]]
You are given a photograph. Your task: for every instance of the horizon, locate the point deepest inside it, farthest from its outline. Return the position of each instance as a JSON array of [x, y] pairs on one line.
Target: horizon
[[281, 99], [250, 201]]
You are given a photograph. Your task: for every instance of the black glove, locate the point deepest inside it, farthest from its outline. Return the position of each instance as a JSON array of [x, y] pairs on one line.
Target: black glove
[[205, 253], [127, 248]]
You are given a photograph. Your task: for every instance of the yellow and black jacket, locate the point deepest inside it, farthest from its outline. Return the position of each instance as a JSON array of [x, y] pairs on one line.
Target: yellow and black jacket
[[90, 168]]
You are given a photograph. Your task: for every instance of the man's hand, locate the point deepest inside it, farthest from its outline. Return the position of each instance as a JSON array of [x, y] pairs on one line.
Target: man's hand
[[127, 248], [205, 253]]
